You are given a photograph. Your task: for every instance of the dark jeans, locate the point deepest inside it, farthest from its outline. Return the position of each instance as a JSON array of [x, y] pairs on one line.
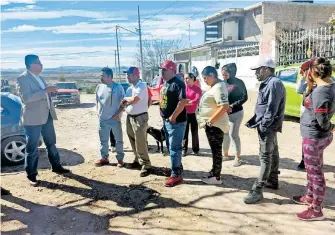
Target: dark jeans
[[191, 120], [112, 139], [33, 134], [215, 140], [269, 159]]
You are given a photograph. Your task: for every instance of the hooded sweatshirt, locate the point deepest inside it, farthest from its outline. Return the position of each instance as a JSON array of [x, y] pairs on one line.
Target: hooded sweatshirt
[[237, 92]]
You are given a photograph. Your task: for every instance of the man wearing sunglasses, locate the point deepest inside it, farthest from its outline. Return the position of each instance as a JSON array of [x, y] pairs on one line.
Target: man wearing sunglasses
[[268, 119], [38, 115]]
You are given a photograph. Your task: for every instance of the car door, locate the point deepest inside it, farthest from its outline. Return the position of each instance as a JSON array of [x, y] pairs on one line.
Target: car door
[[289, 77]]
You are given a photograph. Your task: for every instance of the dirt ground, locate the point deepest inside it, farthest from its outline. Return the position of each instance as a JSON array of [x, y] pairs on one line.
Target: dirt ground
[[109, 200]]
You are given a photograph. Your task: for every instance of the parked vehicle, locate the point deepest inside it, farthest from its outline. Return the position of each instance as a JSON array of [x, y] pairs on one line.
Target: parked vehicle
[[67, 93], [5, 85], [125, 86], [13, 142], [157, 84], [290, 76]]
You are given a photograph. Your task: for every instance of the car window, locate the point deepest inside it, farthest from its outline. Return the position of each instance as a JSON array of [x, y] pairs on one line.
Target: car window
[[66, 86], [155, 81], [288, 75]]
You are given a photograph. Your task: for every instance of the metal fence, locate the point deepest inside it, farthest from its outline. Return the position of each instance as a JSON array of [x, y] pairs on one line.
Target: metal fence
[[298, 46], [238, 51]]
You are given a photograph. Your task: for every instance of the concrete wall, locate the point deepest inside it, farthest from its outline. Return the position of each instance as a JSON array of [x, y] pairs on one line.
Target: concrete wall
[[296, 16], [252, 25], [230, 29]]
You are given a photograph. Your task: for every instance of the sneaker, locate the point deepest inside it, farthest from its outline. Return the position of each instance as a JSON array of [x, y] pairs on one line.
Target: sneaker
[[113, 149], [302, 200], [120, 163], [102, 162], [310, 215], [253, 197], [301, 166], [196, 153], [208, 175], [212, 180], [145, 171], [32, 180], [60, 170], [134, 165], [184, 154], [173, 181], [237, 162], [271, 185]]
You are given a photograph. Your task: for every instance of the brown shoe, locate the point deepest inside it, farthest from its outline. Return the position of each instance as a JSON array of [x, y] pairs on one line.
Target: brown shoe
[[102, 162]]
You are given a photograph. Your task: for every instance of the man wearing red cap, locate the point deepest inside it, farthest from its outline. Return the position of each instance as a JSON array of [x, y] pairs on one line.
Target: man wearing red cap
[[173, 112], [136, 104]]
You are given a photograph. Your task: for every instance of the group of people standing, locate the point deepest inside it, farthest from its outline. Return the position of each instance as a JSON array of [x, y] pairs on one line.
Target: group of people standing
[[219, 111]]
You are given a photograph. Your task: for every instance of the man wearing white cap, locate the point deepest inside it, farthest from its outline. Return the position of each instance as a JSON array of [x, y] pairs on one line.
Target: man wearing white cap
[[268, 119]]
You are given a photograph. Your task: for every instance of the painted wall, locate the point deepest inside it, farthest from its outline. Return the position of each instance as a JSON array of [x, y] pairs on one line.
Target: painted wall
[[243, 69]]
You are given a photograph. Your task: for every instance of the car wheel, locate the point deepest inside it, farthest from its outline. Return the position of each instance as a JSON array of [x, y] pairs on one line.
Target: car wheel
[[12, 150]]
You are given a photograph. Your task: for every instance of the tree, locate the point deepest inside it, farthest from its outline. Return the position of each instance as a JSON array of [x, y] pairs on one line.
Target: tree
[[155, 52]]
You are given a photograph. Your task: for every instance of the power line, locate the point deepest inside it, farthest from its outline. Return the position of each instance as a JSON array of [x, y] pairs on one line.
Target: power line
[[150, 17], [180, 22]]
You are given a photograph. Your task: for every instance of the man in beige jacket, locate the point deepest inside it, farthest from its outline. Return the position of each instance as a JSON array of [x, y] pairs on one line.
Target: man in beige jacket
[[38, 115]]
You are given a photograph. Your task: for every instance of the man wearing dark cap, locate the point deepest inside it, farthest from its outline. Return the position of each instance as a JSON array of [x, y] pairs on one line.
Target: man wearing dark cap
[[172, 109], [268, 119], [136, 105], [38, 115]]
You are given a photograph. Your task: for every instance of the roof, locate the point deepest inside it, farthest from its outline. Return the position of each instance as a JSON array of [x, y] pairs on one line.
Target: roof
[[236, 10], [252, 7], [202, 46]]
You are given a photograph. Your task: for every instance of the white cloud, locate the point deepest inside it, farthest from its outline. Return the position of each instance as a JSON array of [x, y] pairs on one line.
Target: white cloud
[[7, 2], [25, 8], [69, 56], [163, 24], [38, 15]]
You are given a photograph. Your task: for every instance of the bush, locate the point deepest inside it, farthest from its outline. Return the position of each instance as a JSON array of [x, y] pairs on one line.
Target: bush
[[90, 90]]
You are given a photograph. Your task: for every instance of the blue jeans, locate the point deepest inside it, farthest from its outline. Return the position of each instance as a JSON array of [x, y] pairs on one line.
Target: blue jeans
[[105, 126], [174, 134], [33, 134]]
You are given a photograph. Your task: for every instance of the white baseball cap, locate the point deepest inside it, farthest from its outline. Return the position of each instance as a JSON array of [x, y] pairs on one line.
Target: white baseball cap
[[264, 62]]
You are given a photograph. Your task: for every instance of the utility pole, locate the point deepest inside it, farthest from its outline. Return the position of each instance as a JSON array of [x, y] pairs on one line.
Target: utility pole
[[140, 35], [118, 53], [115, 68], [189, 33]]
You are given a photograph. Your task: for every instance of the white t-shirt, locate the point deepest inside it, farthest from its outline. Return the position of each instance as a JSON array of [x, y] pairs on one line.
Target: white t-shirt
[[38, 79], [210, 102], [141, 91]]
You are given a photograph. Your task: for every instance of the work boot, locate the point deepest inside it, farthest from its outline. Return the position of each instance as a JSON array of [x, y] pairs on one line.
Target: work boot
[[253, 197]]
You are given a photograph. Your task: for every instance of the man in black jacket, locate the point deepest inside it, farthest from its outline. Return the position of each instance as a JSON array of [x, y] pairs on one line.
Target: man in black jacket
[[268, 119]]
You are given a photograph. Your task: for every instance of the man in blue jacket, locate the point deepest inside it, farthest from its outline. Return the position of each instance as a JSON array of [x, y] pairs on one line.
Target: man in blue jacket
[[268, 119]]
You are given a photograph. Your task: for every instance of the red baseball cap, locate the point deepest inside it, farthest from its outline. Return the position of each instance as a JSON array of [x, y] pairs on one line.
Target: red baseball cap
[[133, 70], [306, 66], [168, 64]]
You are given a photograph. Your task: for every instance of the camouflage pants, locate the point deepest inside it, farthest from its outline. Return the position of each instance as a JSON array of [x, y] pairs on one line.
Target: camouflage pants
[[313, 154], [215, 139]]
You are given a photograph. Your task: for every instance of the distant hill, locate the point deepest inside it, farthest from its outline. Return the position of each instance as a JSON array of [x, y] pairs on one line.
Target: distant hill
[[66, 70]]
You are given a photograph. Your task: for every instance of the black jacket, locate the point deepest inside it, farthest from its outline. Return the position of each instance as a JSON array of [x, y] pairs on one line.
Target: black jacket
[[237, 92]]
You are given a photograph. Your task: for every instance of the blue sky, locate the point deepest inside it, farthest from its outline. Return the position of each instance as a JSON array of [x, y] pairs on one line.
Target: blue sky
[[69, 33]]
